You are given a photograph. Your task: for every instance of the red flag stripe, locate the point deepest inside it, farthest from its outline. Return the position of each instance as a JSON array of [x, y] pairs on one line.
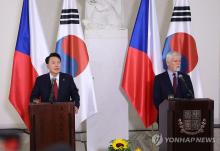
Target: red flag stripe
[[22, 82], [138, 84]]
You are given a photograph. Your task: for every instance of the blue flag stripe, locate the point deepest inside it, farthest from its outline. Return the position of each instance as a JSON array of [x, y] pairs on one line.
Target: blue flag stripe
[[23, 39], [139, 38]]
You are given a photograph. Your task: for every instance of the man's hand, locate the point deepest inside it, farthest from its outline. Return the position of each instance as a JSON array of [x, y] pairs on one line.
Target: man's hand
[[76, 109], [37, 101]]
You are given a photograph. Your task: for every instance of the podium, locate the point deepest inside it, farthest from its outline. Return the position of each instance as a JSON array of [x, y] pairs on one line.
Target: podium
[[186, 125], [52, 124]]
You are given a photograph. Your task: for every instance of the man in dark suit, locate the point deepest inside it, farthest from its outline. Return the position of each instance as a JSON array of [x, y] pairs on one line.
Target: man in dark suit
[[172, 83], [55, 86]]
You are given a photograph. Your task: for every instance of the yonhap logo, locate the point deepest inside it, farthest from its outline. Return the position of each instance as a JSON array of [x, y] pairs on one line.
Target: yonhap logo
[[157, 139]]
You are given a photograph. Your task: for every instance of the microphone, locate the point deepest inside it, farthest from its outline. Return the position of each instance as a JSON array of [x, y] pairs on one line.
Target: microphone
[[189, 92], [51, 99]]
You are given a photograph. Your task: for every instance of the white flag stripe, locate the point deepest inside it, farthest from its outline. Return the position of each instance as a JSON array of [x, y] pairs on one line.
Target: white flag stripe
[[154, 45], [181, 11], [87, 96], [196, 81], [64, 30], [66, 19], [70, 13], [180, 16], [182, 27], [39, 49]]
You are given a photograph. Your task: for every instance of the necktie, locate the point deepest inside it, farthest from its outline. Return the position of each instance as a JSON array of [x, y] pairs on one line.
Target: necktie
[[174, 83], [55, 89]]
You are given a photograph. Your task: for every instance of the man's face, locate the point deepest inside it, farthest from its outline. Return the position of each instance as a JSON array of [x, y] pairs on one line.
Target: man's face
[[54, 65], [174, 63]]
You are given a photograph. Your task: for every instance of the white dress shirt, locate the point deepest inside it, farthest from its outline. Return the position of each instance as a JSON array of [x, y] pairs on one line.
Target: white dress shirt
[[57, 78]]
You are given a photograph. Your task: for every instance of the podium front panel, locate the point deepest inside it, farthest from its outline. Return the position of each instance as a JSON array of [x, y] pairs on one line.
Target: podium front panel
[[51, 124], [186, 124]]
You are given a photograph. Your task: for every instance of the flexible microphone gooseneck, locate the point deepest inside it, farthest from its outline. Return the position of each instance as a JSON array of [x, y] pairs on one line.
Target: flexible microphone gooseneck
[[189, 92], [51, 99]]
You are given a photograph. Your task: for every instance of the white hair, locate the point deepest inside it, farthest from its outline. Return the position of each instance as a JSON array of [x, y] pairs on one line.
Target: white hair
[[172, 54]]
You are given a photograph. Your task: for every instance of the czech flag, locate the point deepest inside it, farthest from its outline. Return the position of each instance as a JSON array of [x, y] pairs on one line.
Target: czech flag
[[143, 62], [30, 52]]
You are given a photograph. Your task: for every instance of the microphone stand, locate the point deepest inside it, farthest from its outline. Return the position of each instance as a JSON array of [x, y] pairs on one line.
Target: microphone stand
[[189, 92], [51, 98]]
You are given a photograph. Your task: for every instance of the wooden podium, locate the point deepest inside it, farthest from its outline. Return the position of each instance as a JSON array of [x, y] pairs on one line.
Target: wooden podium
[[52, 124], [186, 125]]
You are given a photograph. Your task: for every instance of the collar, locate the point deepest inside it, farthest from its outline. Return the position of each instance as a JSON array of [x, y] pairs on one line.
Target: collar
[[57, 77], [171, 72]]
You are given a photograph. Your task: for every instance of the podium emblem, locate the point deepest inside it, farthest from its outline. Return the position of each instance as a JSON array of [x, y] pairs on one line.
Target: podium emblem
[[191, 122]]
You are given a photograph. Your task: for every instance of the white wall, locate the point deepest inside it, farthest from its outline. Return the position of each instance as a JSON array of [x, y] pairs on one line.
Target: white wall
[[205, 24], [10, 15], [106, 60]]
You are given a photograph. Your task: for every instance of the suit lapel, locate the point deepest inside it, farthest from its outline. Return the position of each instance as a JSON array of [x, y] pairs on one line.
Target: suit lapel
[[169, 84], [48, 85], [61, 81]]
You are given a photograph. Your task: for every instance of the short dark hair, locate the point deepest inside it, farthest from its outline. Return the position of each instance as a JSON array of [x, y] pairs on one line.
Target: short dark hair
[[53, 54]]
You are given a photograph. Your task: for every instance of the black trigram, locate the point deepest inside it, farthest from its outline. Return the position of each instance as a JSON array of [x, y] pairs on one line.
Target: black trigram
[[69, 16], [181, 14]]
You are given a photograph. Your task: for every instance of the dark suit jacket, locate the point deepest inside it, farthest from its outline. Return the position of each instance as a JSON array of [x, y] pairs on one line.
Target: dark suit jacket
[[67, 89], [163, 87]]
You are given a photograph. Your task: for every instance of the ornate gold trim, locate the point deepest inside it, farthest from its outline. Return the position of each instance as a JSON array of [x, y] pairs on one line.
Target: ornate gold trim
[[200, 130]]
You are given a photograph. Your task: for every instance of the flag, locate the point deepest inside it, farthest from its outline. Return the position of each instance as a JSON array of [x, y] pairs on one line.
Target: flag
[[75, 60], [28, 59], [143, 62], [180, 39]]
